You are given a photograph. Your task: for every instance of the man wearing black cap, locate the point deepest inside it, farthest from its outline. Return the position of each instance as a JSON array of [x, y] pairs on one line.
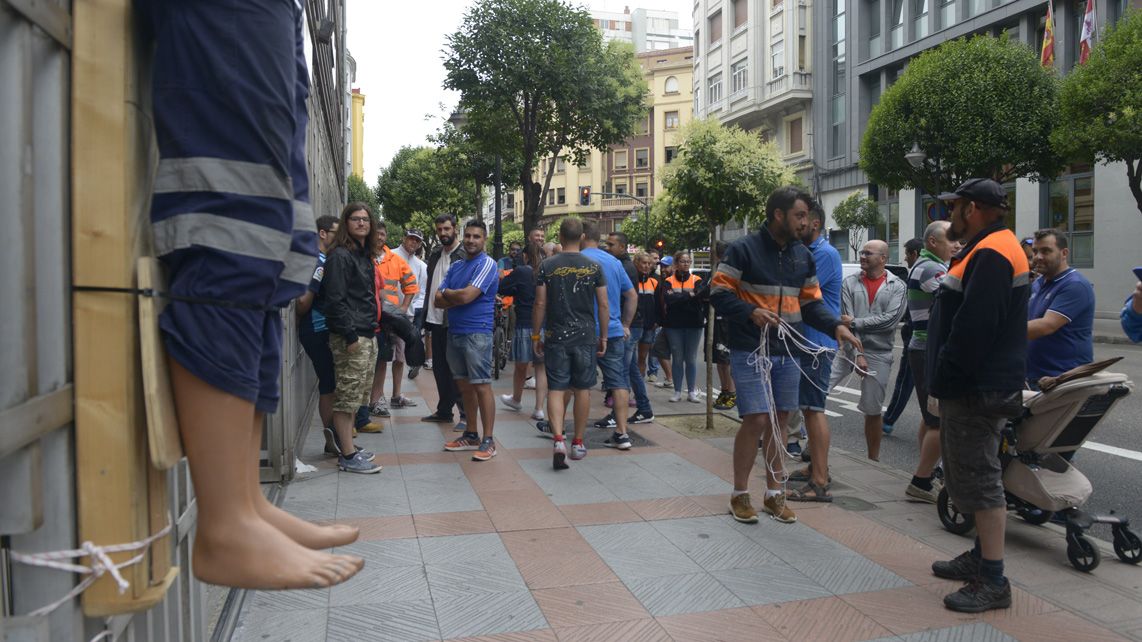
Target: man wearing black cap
[[977, 354]]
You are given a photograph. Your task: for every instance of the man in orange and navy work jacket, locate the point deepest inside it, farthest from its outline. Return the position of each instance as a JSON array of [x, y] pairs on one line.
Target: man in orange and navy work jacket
[[766, 278], [977, 357]]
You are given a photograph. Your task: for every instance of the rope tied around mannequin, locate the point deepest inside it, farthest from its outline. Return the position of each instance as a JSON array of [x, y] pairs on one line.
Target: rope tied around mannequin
[[101, 564]]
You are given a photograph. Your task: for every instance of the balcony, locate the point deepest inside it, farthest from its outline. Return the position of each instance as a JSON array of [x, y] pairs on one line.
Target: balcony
[[796, 86]]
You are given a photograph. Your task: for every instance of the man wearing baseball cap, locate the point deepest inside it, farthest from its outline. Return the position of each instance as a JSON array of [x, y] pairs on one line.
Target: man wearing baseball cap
[[413, 240], [977, 355]]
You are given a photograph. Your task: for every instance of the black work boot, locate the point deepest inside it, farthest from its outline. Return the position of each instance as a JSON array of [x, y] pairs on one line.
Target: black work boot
[[979, 595], [964, 567]]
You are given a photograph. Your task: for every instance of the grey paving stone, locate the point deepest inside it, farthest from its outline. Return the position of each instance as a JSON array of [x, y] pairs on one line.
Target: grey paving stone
[[769, 584], [460, 549], [298, 600], [473, 579], [409, 621], [388, 553], [285, 626], [489, 615], [843, 575], [379, 584], [677, 594], [439, 488], [565, 487], [713, 544], [520, 434], [637, 551], [976, 632], [416, 438], [685, 477]]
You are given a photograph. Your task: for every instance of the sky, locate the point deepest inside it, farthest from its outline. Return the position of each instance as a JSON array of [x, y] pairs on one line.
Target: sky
[[399, 48]]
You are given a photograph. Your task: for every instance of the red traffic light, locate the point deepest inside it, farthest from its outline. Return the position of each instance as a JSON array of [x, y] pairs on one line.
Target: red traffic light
[[585, 195]]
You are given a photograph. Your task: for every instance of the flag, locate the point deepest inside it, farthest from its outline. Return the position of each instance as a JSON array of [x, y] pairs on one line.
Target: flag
[[1047, 55], [1086, 41]]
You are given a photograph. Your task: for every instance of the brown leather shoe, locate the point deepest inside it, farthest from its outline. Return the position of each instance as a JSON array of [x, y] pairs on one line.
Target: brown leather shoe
[[742, 510], [777, 509]]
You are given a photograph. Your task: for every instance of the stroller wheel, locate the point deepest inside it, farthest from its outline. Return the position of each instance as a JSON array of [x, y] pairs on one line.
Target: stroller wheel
[[1127, 546], [1083, 555], [953, 520]]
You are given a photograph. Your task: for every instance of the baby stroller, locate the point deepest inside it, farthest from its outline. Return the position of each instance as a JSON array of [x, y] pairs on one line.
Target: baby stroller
[[1038, 481]]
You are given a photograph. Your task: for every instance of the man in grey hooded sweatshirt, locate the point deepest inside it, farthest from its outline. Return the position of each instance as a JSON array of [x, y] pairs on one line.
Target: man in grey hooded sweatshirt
[[872, 304]]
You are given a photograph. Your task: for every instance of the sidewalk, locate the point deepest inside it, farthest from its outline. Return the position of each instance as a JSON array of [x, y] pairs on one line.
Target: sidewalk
[[637, 545]]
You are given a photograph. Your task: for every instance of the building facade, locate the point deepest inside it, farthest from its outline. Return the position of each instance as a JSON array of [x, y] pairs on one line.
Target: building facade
[[646, 29], [753, 69], [885, 35], [357, 134], [636, 165]]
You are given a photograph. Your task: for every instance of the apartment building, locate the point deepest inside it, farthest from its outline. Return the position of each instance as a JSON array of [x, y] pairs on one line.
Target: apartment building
[[646, 29]]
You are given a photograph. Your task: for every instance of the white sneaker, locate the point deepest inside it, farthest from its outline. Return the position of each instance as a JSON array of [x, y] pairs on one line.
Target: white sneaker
[[538, 415], [529, 384], [693, 397], [663, 384], [510, 402], [651, 378], [676, 397], [428, 364]]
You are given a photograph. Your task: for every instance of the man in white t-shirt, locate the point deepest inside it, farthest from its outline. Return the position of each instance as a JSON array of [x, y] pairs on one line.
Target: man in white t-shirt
[[413, 239]]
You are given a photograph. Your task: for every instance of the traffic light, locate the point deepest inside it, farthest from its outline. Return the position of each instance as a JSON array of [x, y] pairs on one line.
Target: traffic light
[[585, 195], [660, 245]]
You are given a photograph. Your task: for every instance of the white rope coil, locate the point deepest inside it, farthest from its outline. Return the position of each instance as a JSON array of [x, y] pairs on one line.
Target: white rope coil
[[101, 564]]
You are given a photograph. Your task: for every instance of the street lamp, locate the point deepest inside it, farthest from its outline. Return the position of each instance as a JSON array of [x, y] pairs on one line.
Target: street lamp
[[916, 156], [459, 120]]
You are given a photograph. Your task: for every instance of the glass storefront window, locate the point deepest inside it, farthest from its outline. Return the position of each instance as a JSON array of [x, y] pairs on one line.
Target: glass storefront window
[[1070, 208]]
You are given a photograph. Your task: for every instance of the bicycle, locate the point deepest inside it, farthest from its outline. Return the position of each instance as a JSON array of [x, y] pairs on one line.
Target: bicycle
[[502, 338]]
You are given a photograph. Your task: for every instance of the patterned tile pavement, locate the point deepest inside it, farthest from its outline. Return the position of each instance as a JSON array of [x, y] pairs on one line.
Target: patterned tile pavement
[[638, 546]]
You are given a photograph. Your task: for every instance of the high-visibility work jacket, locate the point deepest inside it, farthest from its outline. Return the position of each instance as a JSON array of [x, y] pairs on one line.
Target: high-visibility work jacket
[[394, 280]]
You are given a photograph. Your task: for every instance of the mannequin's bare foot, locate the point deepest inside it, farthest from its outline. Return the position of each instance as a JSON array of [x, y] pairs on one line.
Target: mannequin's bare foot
[[306, 533], [253, 554]]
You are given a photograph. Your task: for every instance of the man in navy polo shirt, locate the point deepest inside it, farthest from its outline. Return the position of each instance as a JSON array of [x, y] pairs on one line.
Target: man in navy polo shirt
[[1060, 314], [468, 294]]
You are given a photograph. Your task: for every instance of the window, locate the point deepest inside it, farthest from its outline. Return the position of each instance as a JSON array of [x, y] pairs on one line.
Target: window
[[889, 230], [561, 196], [896, 20], [1070, 208], [777, 25], [874, 44], [642, 128], [641, 190], [838, 88], [777, 53], [741, 13], [620, 187], [802, 52], [642, 158], [796, 136], [947, 13], [550, 197], [697, 40], [1009, 217], [715, 28], [715, 83], [837, 145], [620, 159], [739, 76], [561, 164], [511, 202], [671, 154], [774, 5], [671, 120], [919, 18], [671, 86]]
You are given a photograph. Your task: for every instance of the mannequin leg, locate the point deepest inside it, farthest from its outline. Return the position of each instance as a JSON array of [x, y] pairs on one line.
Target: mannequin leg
[[234, 546]]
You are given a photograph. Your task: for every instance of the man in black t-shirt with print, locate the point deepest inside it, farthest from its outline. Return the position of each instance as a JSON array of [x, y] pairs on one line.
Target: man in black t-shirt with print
[[570, 285]]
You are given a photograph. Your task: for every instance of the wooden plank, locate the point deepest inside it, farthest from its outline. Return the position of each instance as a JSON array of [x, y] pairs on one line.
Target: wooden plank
[[25, 423], [114, 483], [162, 422]]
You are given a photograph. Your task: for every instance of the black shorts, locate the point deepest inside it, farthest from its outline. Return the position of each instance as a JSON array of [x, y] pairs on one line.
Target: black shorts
[[916, 363], [570, 367], [970, 433], [384, 347], [316, 346], [721, 342]]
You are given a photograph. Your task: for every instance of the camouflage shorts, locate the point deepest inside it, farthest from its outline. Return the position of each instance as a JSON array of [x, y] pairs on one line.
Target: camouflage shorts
[[354, 372]]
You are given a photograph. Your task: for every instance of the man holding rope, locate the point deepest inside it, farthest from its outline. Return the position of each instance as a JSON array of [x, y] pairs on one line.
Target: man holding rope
[[769, 280]]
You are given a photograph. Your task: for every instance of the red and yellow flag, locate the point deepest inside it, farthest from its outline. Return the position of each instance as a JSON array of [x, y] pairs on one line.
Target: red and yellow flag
[[1047, 55]]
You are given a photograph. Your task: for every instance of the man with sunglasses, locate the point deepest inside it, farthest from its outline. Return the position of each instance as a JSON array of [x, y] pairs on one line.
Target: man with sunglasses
[[976, 362], [872, 304]]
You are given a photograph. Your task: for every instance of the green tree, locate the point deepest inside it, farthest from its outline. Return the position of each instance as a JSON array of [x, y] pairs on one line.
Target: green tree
[[677, 232], [359, 191], [979, 107], [1100, 103], [420, 179], [855, 215], [721, 174], [542, 66]]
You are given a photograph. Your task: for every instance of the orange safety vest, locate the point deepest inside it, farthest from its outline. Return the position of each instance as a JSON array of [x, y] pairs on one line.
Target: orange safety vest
[[393, 279], [507, 300], [683, 286], [648, 286]]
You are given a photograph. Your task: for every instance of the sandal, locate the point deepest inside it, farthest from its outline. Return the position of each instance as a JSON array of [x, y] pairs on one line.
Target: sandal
[[805, 474], [819, 494]]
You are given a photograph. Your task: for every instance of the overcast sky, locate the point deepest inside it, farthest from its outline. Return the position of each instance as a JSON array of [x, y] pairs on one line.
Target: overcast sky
[[398, 47]]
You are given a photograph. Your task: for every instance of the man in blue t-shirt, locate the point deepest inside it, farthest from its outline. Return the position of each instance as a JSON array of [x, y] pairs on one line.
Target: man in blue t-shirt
[[622, 303], [468, 295], [1060, 314]]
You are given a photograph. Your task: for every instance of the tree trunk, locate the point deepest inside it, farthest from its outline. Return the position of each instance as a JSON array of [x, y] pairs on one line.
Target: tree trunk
[[1134, 180], [710, 339]]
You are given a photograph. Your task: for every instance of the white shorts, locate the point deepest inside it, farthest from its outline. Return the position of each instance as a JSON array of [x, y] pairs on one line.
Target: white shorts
[[872, 387]]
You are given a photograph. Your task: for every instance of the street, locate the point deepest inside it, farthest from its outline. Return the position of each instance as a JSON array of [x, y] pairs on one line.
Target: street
[[1115, 476]]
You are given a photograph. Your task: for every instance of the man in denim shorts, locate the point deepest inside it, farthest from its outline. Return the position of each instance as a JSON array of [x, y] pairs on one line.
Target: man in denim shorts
[[571, 285], [765, 279], [468, 294]]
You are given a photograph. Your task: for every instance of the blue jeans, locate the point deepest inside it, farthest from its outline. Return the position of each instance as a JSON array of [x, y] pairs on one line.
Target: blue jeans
[[684, 344], [469, 357], [637, 384], [784, 381]]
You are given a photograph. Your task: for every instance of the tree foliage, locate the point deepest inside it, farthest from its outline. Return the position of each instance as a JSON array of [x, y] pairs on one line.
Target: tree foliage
[[677, 232], [979, 107], [1100, 103], [721, 174], [855, 215], [420, 180], [359, 191], [541, 67]]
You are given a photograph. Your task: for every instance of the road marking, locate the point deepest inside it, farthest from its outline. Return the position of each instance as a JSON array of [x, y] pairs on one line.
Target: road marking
[[1114, 450]]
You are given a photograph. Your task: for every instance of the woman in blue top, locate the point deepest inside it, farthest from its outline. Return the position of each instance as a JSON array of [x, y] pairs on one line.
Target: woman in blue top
[[520, 284]]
